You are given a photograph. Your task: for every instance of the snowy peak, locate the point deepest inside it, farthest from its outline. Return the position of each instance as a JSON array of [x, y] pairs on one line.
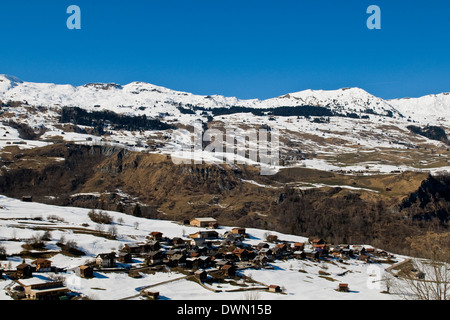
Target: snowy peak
[[434, 106], [342, 101], [12, 79], [8, 82]]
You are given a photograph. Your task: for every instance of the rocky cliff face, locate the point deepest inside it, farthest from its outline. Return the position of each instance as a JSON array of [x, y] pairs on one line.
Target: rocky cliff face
[[375, 209], [430, 201]]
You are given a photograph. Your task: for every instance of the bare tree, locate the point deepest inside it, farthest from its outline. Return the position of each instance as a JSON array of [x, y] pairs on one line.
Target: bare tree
[[112, 230], [47, 236], [388, 281], [252, 295], [428, 280], [427, 277]]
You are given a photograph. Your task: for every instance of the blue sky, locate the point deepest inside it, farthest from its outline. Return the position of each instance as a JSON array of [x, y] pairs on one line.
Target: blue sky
[[247, 48]]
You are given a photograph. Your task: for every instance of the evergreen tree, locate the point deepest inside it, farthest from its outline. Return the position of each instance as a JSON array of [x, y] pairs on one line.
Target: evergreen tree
[[120, 207], [137, 211]]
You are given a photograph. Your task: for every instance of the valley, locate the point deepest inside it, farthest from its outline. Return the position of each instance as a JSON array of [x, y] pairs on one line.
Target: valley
[[350, 167]]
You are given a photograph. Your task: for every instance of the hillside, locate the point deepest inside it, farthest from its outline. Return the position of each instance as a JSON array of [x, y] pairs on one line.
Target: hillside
[[298, 278], [360, 208]]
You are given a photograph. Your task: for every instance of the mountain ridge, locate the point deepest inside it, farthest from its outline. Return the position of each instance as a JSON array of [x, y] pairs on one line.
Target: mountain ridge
[[137, 94]]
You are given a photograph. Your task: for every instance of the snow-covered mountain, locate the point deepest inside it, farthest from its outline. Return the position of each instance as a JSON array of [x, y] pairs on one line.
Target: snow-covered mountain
[[361, 122], [145, 98]]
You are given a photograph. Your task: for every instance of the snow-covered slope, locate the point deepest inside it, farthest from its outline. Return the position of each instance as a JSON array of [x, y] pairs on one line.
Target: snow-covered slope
[[130, 97], [301, 279], [342, 100], [431, 107]]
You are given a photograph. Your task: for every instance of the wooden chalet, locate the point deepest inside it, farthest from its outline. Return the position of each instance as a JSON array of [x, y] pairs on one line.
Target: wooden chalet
[[312, 254], [85, 271], [27, 198], [106, 260], [178, 241], [204, 222], [197, 242], [357, 249], [283, 247], [228, 270], [240, 231], [316, 242], [155, 235], [24, 270], [346, 253], [133, 248], [298, 246], [241, 254], [125, 257], [201, 275], [151, 294], [154, 258], [364, 257], [141, 248], [178, 259], [266, 252], [343, 287], [42, 265], [274, 288], [208, 234], [300, 255], [259, 261]]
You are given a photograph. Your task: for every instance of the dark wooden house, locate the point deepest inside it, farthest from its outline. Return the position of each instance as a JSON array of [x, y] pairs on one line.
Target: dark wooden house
[[85, 271], [274, 288], [228, 270], [154, 258], [24, 270], [155, 235], [106, 260], [125, 257], [201, 275]]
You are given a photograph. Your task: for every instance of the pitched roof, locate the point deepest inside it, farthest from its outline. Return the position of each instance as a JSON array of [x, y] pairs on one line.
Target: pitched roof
[[40, 260], [208, 219]]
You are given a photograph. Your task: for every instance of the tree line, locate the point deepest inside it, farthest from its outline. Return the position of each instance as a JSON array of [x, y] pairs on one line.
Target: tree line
[[103, 119]]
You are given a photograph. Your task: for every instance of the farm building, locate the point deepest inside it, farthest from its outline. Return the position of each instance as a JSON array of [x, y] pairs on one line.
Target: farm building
[[209, 234], [42, 264], [238, 230], [228, 270], [27, 199], [106, 260], [125, 257], [151, 294], [272, 238], [155, 235], [274, 288], [343, 287], [204, 222], [24, 270], [201, 275], [85, 271]]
